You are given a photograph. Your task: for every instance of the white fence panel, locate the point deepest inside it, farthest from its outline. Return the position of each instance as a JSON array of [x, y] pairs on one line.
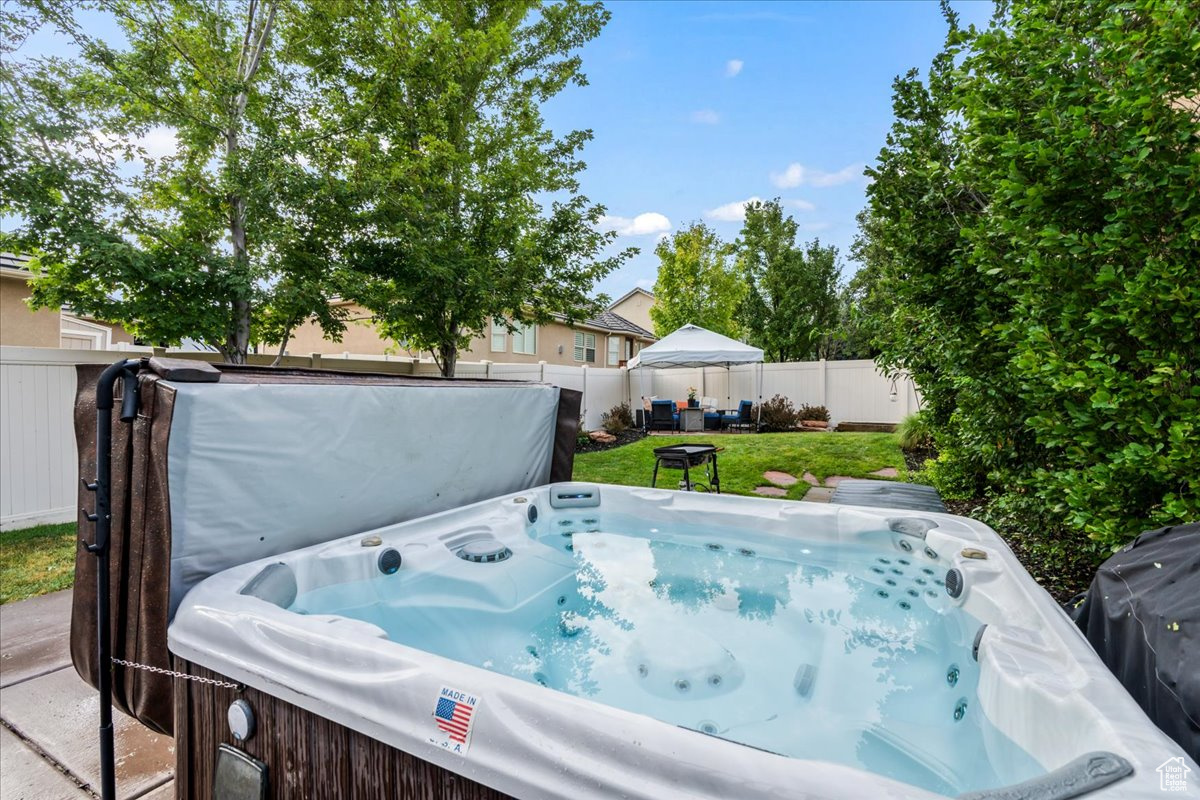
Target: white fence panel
[[605, 389], [517, 372], [37, 443], [37, 394], [853, 391]]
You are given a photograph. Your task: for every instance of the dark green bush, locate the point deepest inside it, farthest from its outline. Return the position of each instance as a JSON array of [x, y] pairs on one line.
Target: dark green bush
[[1032, 242], [778, 415], [820, 413], [617, 419]]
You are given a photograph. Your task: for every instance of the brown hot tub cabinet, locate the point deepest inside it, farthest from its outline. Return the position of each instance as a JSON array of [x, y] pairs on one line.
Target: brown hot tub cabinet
[[308, 756], [228, 464]]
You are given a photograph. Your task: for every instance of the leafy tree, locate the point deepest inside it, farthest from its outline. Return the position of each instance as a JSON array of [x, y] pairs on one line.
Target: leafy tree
[[1032, 223], [697, 283], [198, 242], [790, 308], [447, 228]]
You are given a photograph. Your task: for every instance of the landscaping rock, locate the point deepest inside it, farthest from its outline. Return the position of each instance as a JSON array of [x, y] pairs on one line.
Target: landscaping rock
[[834, 480], [780, 478], [887, 472], [602, 437], [814, 424], [770, 491], [811, 479], [818, 494]]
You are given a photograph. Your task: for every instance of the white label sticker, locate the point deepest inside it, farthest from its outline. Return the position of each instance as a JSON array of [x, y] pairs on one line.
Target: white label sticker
[[454, 719]]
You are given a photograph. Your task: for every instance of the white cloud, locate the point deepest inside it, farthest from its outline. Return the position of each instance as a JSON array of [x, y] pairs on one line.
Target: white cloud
[[641, 225], [802, 205], [706, 116], [791, 177], [159, 141], [731, 212], [733, 66], [796, 174]]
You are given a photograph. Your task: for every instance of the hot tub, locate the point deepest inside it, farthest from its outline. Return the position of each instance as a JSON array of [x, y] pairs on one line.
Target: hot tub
[[575, 640]]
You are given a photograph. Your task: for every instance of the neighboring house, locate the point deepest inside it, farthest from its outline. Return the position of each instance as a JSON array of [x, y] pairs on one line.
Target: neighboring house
[[21, 326], [635, 307], [609, 339]]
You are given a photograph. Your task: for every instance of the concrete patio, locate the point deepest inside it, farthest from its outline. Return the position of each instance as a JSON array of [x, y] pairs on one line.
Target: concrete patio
[[48, 741]]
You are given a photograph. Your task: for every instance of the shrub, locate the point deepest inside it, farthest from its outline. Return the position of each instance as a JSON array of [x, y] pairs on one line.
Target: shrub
[[618, 418], [778, 414], [916, 432], [1047, 304], [820, 413]]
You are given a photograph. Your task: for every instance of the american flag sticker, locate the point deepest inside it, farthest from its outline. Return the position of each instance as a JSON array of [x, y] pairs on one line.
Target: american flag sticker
[[454, 716]]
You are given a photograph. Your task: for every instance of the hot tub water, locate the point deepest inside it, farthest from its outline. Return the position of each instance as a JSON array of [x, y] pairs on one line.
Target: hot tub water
[[846, 653]]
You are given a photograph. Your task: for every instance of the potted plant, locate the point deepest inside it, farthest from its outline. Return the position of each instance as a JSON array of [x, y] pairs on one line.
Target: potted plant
[[692, 401]]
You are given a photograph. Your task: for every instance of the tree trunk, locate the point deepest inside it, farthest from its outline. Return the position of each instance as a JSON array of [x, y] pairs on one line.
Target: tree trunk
[[258, 32], [447, 359]]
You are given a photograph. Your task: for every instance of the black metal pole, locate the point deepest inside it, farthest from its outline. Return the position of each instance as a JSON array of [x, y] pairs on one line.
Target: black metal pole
[[127, 370]]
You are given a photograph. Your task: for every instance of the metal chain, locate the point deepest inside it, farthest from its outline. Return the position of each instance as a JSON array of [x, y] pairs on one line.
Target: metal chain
[[174, 674]]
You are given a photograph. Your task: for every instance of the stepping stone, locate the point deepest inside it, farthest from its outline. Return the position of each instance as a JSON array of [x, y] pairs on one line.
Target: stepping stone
[[780, 478], [818, 494], [811, 479], [834, 480], [887, 472], [770, 491]]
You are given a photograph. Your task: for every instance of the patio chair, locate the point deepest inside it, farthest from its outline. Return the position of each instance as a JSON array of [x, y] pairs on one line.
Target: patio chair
[[663, 416], [741, 420]]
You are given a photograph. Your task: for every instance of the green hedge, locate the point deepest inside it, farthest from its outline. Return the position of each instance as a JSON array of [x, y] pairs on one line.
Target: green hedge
[[1034, 224]]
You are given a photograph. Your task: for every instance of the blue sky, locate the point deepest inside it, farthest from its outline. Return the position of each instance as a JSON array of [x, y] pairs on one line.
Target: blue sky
[[698, 106]]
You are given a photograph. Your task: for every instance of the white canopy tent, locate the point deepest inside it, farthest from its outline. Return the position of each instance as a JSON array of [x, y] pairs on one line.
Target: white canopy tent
[[693, 346]]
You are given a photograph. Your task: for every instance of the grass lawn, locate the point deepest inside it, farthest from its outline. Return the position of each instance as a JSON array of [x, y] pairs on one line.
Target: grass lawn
[[746, 457], [36, 561]]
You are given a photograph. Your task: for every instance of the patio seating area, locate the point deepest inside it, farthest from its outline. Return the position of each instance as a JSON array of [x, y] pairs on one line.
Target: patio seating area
[[683, 417]]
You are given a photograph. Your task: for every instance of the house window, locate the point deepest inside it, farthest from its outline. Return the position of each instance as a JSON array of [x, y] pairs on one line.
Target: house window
[[499, 336], [585, 346], [525, 339], [614, 350]]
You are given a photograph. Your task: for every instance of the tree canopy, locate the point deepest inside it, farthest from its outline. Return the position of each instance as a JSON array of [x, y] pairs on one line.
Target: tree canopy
[[1032, 241], [190, 243], [790, 306], [446, 229], [698, 283], [392, 153]]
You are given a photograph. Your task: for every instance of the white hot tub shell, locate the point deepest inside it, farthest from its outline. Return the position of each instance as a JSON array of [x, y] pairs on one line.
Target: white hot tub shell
[[1040, 684]]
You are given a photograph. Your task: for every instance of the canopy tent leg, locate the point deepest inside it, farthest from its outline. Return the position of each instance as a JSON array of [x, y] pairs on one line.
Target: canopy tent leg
[[758, 422], [642, 383]]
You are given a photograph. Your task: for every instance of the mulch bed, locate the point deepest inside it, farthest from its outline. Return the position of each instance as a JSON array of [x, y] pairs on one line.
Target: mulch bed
[[915, 459], [623, 438]]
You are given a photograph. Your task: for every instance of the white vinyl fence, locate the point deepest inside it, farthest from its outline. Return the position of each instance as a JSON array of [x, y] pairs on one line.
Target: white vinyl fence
[[38, 480]]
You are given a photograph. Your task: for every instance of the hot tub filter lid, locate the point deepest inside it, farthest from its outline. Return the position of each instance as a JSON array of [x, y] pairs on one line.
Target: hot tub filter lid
[[484, 551]]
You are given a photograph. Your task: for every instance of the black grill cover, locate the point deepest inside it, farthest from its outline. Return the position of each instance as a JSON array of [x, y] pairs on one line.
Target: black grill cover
[[1142, 615]]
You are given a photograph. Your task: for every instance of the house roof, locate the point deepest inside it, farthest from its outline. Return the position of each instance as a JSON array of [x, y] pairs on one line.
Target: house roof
[[611, 321], [14, 265], [608, 322], [629, 294]]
